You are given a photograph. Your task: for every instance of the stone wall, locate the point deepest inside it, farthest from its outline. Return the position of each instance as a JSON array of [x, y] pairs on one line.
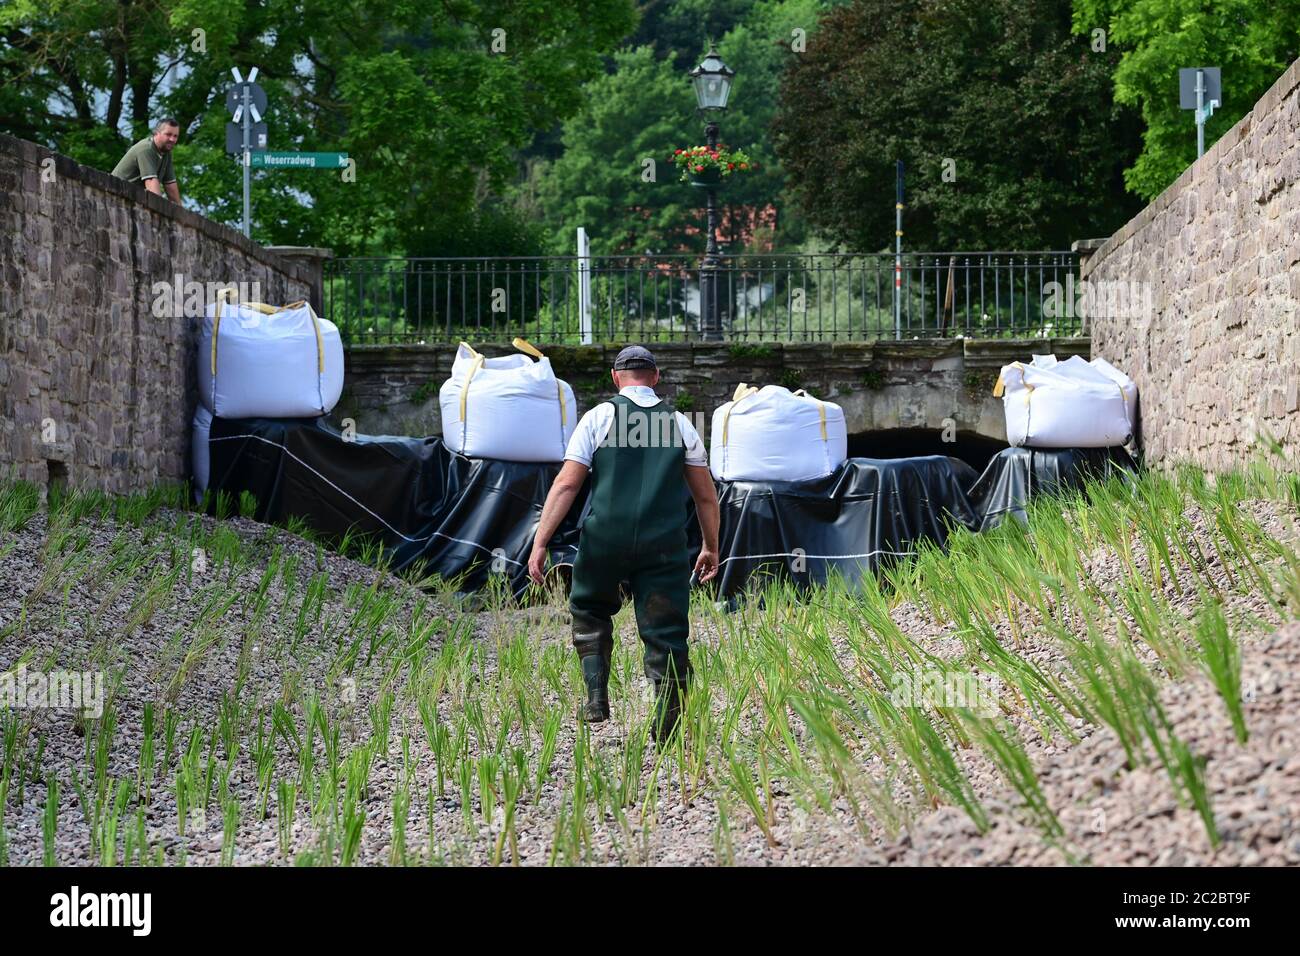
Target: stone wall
[[95, 386], [393, 389], [1217, 359]]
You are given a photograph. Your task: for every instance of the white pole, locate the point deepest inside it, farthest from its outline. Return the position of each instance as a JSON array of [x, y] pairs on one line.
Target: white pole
[[584, 286], [1200, 113], [247, 146]]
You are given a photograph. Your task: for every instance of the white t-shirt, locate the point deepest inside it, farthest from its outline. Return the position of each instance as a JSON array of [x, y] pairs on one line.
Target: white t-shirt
[[595, 425]]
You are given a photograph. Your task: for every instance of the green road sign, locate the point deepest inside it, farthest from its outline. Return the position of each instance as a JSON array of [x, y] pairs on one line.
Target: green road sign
[[281, 160]]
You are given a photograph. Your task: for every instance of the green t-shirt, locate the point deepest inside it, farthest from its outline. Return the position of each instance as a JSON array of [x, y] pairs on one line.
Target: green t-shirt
[[143, 161]]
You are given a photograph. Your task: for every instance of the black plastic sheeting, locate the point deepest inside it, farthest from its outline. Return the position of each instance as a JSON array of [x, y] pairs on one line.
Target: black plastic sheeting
[[1016, 474], [470, 518], [870, 511], [457, 515]]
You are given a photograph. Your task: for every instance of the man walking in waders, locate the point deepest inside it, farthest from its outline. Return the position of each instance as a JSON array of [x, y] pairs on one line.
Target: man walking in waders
[[644, 459]]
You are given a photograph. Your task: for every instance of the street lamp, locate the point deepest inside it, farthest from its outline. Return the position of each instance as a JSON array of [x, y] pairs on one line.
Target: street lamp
[[712, 81]]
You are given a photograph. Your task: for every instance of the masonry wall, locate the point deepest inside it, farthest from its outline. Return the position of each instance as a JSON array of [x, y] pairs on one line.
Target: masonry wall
[[393, 389], [1217, 360], [93, 383]]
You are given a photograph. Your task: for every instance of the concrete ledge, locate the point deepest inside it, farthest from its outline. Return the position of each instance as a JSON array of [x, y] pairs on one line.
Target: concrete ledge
[[880, 384]]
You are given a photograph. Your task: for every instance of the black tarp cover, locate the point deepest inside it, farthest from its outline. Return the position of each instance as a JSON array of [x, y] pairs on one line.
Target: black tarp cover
[[424, 502], [1016, 474], [476, 517], [868, 511]]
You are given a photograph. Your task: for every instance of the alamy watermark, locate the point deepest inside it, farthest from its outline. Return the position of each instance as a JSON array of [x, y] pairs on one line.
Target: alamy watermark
[[941, 688], [57, 690], [179, 297], [76, 908], [637, 428], [1102, 298]]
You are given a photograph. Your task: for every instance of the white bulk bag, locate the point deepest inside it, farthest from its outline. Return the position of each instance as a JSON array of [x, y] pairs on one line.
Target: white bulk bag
[[510, 408], [258, 361], [773, 434], [1126, 385], [1047, 408], [1098, 371], [199, 448]]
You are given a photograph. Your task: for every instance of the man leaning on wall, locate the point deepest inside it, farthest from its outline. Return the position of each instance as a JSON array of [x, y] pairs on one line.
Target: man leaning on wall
[[150, 161]]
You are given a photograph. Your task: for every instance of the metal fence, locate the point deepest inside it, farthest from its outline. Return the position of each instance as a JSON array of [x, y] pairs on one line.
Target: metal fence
[[790, 298]]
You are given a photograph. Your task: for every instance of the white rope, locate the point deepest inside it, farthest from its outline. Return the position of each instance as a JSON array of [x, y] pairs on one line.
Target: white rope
[[439, 534], [820, 557]]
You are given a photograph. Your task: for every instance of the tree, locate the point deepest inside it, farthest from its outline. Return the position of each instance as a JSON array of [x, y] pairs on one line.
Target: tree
[[1004, 118], [632, 117], [432, 99], [1252, 41], [644, 108]]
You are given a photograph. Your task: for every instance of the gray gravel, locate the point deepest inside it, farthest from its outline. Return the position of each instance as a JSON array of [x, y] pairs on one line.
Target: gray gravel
[[1112, 814]]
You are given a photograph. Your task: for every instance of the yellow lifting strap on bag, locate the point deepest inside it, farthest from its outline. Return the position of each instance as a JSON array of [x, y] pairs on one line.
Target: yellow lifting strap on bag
[[821, 408], [742, 392], [1001, 385], [464, 392], [222, 296], [315, 322], [528, 348], [262, 307]]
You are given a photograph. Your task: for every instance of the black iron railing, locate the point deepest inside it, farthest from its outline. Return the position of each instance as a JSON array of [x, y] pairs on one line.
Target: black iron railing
[[790, 298]]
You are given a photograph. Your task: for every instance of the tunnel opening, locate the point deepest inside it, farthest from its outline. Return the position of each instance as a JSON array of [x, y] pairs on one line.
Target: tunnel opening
[[971, 447]]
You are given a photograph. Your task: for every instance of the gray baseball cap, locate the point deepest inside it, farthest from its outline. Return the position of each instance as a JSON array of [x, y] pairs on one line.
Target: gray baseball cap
[[634, 356]]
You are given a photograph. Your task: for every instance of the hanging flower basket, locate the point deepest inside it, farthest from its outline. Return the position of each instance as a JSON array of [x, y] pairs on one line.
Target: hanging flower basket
[[709, 176], [711, 166]]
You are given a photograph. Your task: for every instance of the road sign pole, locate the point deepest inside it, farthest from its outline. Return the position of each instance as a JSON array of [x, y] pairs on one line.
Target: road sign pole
[[1200, 113], [247, 147]]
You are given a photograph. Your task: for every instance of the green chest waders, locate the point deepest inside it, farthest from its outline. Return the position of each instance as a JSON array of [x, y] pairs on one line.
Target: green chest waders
[[635, 532]]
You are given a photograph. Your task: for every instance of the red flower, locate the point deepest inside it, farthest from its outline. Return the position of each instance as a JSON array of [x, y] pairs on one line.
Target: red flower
[[699, 169], [731, 165], [678, 153]]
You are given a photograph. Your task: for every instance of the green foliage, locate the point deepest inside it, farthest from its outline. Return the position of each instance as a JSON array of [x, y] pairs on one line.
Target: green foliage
[[699, 161], [433, 115], [629, 116], [741, 352], [424, 393], [1252, 41], [980, 382], [1020, 106], [599, 176]]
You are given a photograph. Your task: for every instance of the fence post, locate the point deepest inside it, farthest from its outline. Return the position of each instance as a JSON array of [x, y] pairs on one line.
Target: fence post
[[584, 286]]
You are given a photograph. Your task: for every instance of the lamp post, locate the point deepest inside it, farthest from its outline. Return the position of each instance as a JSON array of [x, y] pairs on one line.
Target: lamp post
[[712, 81]]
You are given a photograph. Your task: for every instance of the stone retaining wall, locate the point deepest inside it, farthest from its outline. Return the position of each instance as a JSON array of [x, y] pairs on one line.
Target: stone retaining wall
[[1217, 359], [96, 387]]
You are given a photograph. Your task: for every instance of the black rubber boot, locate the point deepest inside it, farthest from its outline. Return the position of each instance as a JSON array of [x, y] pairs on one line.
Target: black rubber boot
[[593, 638], [671, 674], [595, 673], [670, 697]]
